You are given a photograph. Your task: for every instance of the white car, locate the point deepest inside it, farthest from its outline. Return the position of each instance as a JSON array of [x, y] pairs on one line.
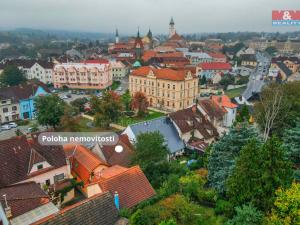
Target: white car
[[5, 127], [13, 125], [64, 97]]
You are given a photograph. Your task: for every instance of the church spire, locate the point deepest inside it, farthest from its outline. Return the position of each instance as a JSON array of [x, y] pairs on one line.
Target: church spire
[[117, 36], [172, 30], [149, 34], [138, 33], [172, 21]]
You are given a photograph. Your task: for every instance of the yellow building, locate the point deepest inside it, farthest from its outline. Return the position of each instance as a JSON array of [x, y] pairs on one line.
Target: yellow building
[[166, 89]]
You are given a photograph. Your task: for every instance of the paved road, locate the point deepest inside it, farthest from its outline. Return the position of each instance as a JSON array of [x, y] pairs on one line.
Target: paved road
[[5, 134], [256, 79]]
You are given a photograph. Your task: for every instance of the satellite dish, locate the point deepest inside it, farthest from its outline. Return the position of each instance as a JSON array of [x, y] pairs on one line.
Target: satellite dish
[[119, 148]]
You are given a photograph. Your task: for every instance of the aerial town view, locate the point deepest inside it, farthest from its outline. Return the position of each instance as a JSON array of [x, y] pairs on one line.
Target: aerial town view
[[147, 112]]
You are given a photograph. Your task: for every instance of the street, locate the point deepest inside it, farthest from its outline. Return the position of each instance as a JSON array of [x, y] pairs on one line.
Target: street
[[256, 79]]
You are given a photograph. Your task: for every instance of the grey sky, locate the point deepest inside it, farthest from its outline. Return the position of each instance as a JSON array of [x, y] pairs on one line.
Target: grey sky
[[191, 16]]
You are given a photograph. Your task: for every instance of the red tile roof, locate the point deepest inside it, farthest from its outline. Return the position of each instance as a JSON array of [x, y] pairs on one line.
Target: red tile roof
[[84, 156], [217, 55], [23, 197], [123, 158], [165, 73], [15, 159], [96, 61], [223, 101], [131, 185], [215, 66]]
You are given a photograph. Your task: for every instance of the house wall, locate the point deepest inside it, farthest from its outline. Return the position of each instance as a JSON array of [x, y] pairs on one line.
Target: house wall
[[167, 94], [35, 166], [92, 190], [9, 111], [130, 134], [27, 107], [40, 73], [41, 178], [229, 117]]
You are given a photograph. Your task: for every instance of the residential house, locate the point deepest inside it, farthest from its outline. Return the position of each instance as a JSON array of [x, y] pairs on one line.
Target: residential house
[[118, 70], [24, 204], [17, 102], [165, 127], [40, 70], [131, 184], [167, 89], [198, 57], [219, 110], [213, 70], [25, 160], [248, 60], [85, 166], [99, 210], [218, 57], [111, 157], [193, 127], [86, 75], [279, 70]]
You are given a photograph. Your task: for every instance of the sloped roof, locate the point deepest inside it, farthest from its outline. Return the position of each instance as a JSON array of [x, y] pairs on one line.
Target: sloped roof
[[123, 158], [15, 159], [248, 57], [212, 110], [130, 183], [97, 210], [23, 197], [165, 127], [164, 73], [223, 101], [191, 119], [284, 68], [215, 66], [83, 155], [23, 91]]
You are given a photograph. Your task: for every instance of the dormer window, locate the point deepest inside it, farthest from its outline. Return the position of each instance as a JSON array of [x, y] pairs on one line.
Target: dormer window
[[40, 166]]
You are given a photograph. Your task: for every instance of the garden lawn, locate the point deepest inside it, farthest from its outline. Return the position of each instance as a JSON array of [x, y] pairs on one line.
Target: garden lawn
[[125, 121], [235, 92]]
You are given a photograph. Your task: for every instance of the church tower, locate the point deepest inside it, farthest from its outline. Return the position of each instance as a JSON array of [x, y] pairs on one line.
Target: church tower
[[138, 46], [117, 36], [172, 30]]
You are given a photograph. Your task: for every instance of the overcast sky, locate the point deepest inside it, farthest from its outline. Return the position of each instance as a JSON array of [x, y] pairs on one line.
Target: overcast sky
[[190, 16]]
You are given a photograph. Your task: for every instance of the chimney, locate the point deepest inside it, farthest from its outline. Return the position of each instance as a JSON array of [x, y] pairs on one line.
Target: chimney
[[7, 209], [116, 200]]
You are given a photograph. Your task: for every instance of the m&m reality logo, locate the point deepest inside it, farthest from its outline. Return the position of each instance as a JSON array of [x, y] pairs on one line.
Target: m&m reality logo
[[286, 17]]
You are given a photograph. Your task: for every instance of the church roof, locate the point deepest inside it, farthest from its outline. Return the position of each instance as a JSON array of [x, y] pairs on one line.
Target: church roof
[[176, 37]]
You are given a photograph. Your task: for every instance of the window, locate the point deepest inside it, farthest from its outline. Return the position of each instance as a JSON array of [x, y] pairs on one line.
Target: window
[[5, 110], [168, 86], [173, 86], [14, 108], [59, 177], [40, 166], [48, 183]]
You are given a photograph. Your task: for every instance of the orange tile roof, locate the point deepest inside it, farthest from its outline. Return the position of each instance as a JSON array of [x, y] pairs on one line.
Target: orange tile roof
[[215, 66], [131, 184], [165, 73], [83, 155], [217, 55], [148, 55], [223, 101]]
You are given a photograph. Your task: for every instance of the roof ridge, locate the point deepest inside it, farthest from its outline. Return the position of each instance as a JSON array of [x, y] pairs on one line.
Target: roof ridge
[[121, 173]]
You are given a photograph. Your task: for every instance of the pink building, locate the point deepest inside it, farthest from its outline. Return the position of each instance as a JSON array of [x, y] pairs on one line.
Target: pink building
[[86, 75]]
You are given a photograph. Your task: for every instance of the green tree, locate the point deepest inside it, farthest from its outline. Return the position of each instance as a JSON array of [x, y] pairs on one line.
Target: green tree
[[243, 114], [224, 152], [226, 80], [286, 208], [12, 76], [150, 148], [168, 222], [126, 100], [246, 215], [50, 109], [107, 109], [69, 122], [79, 103], [271, 50], [260, 170], [291, 139]]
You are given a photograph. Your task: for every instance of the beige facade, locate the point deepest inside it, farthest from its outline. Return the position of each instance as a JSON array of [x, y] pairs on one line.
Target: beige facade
[[82, 75], [9, 111], [164, 92]]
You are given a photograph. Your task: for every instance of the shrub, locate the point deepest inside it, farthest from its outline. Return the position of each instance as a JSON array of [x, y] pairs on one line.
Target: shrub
[[23, 122], [224, 207]]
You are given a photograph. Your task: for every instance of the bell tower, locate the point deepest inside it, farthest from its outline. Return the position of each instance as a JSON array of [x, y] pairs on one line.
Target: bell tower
[[172, 30], [117, 36]]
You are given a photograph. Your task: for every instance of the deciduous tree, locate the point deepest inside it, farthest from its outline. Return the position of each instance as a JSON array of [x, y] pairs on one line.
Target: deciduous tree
[[140, 103], [12, 76]]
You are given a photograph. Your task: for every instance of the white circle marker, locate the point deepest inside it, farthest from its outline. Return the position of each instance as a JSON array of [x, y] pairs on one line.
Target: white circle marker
[[119, 148]]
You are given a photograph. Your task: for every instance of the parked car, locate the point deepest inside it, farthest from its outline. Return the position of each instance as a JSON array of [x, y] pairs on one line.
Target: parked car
[[13, 125], [64, 97], [5, 127], [69, 95]]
